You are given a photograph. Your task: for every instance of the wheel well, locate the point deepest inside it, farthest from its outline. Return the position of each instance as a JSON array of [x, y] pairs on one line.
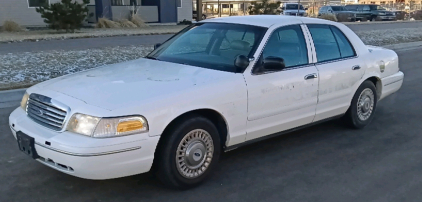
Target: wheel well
[[210, 114], [377, 83]]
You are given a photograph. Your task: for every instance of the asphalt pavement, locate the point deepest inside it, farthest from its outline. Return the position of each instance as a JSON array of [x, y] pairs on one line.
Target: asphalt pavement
[[86, 43], [327, 162]]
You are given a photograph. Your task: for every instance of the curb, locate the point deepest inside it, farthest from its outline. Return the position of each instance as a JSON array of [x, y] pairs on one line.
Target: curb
[[405, 46], [381, 22], [11, 98]]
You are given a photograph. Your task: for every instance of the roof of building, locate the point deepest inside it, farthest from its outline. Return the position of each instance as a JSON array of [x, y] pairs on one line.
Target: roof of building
[[267, 20]]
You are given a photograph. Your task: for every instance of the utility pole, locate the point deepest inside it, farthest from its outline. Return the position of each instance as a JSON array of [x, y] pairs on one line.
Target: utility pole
[[198, 10], [298, 6], [218, 5]]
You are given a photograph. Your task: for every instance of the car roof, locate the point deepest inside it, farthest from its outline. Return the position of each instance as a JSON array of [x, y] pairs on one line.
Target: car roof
[[267, 20], [363, 5]]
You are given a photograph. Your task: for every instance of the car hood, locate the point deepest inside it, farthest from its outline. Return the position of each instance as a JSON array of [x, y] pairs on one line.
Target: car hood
[[113, 86]]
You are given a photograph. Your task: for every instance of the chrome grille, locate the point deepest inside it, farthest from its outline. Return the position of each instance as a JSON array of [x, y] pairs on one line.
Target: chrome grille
[[46, 111]]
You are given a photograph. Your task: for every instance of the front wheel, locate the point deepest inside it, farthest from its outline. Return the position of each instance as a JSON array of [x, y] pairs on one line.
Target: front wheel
[[364, 102], [188, 153]]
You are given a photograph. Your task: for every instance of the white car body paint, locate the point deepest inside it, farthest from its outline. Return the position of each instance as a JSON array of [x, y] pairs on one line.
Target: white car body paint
[[252, 106]]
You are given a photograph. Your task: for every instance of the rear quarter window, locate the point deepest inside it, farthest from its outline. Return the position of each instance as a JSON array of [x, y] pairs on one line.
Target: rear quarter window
[[330, 43]]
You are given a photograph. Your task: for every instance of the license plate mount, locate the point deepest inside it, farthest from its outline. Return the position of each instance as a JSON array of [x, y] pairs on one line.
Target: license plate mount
[[27, 145]]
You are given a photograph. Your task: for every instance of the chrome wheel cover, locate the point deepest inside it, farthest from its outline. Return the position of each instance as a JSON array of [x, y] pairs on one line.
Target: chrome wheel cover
[[365, 104], [194, 153]]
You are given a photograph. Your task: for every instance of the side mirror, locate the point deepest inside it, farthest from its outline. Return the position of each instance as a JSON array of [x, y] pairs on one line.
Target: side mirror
[[241, 62], [157, 45], [274, 63]]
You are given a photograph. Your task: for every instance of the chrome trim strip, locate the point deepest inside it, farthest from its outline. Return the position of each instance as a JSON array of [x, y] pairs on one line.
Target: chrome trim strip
[[49, 101], [88, 154], [54, 113], [286, 69], [45, 122], [52, 109], [336, 60], [393, 82]]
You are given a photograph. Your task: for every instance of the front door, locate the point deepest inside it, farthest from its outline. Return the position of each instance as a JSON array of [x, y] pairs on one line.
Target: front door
[[282, 99]]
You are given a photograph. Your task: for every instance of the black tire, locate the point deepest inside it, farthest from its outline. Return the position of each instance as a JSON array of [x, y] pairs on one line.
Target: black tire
[[351, 117], [375, 18], [166, 167]]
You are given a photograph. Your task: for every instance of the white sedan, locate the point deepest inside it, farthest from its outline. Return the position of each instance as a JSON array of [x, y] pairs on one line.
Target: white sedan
[[215, 86]]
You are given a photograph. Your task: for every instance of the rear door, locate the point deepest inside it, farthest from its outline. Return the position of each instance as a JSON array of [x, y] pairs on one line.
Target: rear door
[[339, 70]]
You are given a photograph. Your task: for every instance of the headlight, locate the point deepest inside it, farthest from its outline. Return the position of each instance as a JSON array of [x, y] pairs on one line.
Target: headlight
[[106, 127], [83, 124], [24, 101]]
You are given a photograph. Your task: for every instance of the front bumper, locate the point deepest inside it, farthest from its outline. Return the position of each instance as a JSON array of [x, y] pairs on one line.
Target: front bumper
[[87, 157], [387, 17]]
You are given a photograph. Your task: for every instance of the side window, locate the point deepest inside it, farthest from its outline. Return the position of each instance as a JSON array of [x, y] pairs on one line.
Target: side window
[[323, 9], [325, 42], [366, 8], [346, 49], [330, 43], [289, 44]]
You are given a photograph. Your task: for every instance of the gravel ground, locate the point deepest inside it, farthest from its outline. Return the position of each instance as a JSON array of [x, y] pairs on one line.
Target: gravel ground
[[390, 36], [87, 33], [26, 69]]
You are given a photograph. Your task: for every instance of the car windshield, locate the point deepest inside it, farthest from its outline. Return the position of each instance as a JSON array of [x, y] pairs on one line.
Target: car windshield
[[293, 6], [210, 45], [338, 8]]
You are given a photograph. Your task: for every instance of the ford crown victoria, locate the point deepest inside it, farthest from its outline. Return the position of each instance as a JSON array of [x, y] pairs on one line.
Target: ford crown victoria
[[215, 86]]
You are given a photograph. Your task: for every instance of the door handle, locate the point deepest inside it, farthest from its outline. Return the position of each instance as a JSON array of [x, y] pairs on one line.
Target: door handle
[[311, 76], [356, 67]]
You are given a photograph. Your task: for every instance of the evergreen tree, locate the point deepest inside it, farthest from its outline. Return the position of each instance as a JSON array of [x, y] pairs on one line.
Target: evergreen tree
[[66, 15], [265, 7]]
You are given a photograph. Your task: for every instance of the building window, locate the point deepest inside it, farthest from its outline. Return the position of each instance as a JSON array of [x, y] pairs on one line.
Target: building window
[[133, 2], [36, 3], [179, 3], [124, 2], [117, 3]]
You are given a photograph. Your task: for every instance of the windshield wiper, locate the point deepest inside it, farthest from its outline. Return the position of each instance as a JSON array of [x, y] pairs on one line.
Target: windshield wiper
[[152, 58]]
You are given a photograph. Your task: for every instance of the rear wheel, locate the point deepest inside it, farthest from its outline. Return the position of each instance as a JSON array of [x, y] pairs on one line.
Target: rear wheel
[[364, 102], [188, 153]]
